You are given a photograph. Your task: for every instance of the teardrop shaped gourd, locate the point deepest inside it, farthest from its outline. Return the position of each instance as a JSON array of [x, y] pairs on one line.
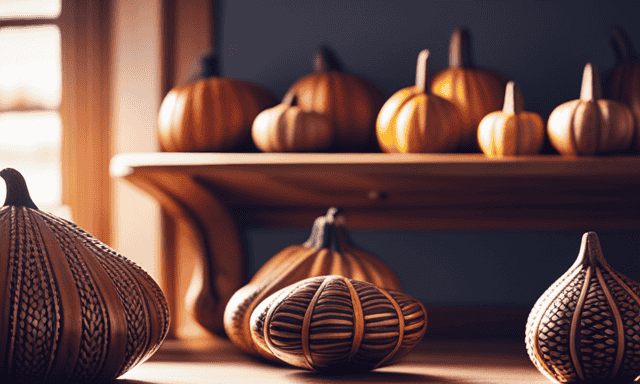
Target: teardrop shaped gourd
[[591, 125], [73, 310], [338, 325], [328, 251], [512, 131], [586, 326], [415, 121]]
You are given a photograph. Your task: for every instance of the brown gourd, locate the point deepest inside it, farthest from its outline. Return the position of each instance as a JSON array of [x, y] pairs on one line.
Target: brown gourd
[[585, 328], [73, 310], [477, 91], [338, 325], [327, 251], [213, 113], [288, 128], [512, 131], [415, 121], [590, 125]]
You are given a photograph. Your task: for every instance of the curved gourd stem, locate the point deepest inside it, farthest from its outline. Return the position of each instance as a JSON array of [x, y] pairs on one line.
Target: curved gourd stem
[[591, 252], [421, 71], [590, 84], [210, 66], [624, 50], [326, 234], [17, 192], [460, 49], [513, 101], [324, 61]]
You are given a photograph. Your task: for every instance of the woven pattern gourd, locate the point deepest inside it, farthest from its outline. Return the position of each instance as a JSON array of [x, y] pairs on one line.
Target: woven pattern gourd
[[72, 308]]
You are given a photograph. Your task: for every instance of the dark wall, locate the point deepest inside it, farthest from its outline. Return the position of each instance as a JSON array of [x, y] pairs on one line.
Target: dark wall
[[542, 45]]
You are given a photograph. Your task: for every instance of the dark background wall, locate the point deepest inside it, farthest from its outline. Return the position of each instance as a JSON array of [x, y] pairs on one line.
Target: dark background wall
[[542, 45]]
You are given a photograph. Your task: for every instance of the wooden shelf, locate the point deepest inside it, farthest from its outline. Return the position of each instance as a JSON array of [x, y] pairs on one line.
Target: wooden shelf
[[217, 195]]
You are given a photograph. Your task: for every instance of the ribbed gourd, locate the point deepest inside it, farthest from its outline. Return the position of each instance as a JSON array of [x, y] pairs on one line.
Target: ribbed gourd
[[73, 310], [338, 325], [328, 251], [586, 326]]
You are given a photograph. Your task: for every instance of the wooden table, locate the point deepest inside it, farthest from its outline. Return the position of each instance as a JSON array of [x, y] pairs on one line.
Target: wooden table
[[217, 195]]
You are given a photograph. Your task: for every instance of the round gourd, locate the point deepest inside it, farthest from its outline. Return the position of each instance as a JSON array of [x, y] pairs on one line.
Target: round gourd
[[73, 310], [213, 113], [327, 251], [477, 91], [413, 121], [287, 128], [512, 131], [585, 327], [350, 102], [338, 325], [590, 125]]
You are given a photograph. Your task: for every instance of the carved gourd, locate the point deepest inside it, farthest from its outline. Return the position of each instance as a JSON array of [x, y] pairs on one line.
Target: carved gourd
[[586, 326], [512, 131], [338, 325], [327, 251], [415, 121], [73, 310], [590, 125]]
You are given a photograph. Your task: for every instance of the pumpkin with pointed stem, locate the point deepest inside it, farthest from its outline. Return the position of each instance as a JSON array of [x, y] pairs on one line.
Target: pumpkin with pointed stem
[[414, 121], [590, 125]]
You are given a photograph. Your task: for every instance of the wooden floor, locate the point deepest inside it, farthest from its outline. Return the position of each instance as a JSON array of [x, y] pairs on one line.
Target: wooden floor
[[433, 361]]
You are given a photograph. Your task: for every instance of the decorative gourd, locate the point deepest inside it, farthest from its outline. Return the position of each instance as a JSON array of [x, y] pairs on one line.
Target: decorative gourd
[[512, 131], [413, 121], [327, 251], [590, 125], [350, 102], [287, 128], [624, 81], [72, 308], [477, 91], [211, 114], [338, 325], [586, 326]]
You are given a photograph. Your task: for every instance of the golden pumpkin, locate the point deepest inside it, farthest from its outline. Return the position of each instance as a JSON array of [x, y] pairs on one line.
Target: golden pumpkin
[[211, 114], [590, 125], [512, 131], [327, 251], [350, 102], [477, 91], [287, 128], [413, 121], [73, 310]]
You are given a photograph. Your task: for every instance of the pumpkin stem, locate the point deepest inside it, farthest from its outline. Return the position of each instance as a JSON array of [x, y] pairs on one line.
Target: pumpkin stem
[[622, 46], [591, 252], [326, 234], [590, 83], [324, 60], [460, 49], [17, 192], [210, 66], [421, 71], [513, 101]]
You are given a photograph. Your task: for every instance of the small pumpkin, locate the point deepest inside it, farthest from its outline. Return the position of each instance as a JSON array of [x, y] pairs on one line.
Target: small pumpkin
[[73, 310], [338, 325], [477, 91], [414, 121], [350, 102], [512, 131], [213, 113], [288, 128], [327, 251], [590, 125]]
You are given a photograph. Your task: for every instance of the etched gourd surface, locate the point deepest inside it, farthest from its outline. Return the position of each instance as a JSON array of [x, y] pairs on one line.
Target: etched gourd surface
[[630, 319]]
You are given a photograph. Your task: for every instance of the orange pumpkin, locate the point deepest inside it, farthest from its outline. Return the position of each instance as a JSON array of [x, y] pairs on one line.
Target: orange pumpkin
[[590, 125], [477, 91], [212, 114], [413, 121], [512, 131], [350, 102]]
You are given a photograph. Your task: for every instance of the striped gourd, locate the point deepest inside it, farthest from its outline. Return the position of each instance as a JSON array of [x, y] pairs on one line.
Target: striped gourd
[[586, 326], [338, 325]]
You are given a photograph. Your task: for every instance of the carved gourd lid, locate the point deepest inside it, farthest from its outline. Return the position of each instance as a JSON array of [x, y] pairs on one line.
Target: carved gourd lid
[[72, 308]]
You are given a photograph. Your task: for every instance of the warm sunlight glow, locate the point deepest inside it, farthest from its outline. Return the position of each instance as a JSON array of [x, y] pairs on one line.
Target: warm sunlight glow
[[30, 67], [29, 9]]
